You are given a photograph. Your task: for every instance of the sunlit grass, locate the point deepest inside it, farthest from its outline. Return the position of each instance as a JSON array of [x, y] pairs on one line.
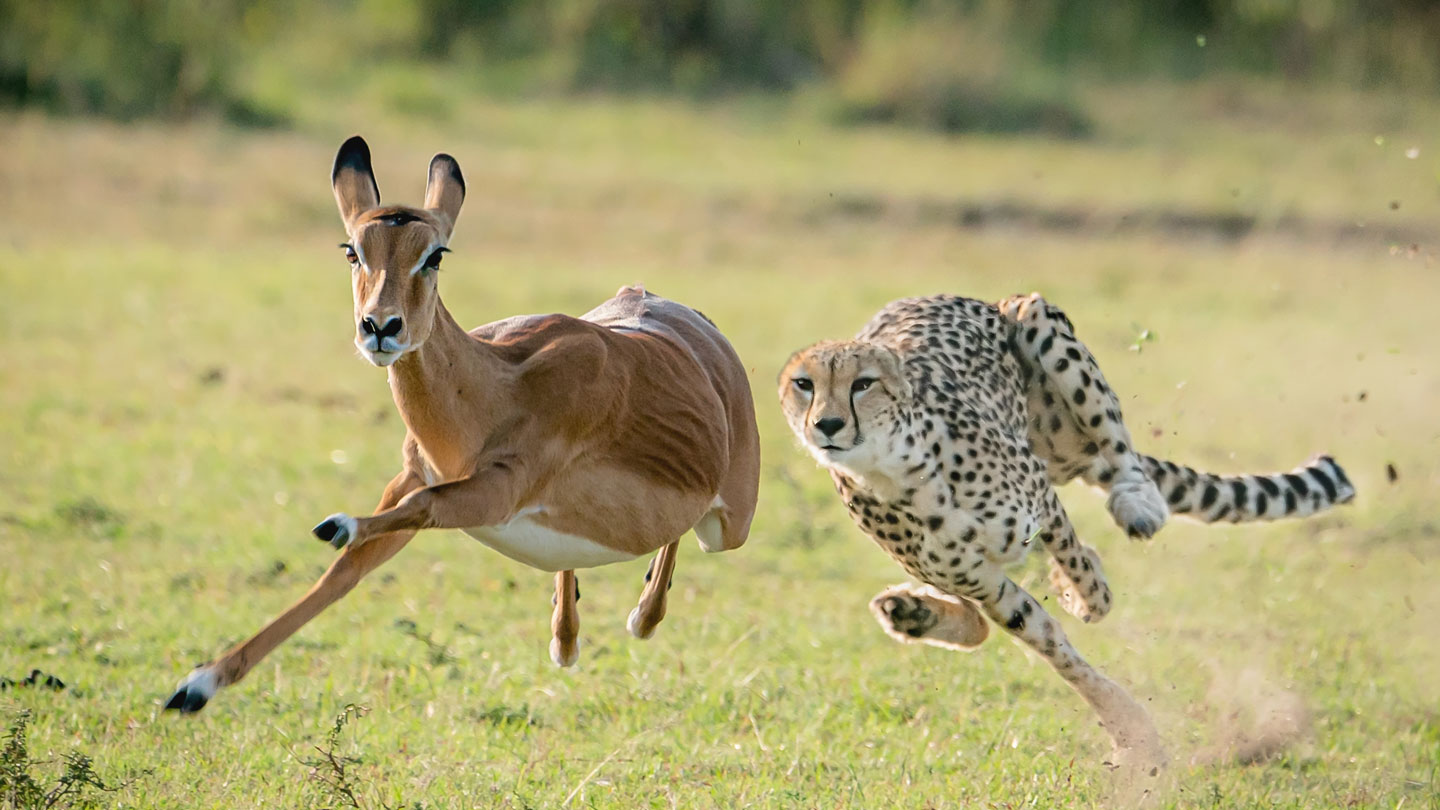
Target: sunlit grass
[[179, 377]]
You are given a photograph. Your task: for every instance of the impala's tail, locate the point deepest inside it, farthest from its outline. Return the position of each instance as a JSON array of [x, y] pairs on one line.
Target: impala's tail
[[1307, 489]]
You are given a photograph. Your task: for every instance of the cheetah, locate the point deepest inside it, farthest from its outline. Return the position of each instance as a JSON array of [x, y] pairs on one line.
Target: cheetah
[[945, 426]]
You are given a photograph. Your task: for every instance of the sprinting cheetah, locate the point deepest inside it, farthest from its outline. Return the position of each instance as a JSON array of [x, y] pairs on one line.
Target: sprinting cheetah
[[945, 424]]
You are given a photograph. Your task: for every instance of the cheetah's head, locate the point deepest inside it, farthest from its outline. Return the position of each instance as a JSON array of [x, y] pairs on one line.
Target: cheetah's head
[[844, 399]]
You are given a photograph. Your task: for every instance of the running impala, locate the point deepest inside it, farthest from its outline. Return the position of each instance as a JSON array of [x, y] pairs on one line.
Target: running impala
[[560, 442]]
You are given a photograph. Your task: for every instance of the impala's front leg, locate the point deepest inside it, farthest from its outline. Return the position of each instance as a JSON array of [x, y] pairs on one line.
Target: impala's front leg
[[353, 564], [487, 498]]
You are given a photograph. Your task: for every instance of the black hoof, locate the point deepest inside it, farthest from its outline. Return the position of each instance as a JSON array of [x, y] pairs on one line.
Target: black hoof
[[333, 531], [326, 530], [187, 700]]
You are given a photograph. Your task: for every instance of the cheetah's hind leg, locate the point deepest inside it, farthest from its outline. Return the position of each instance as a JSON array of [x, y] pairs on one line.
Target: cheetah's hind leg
[[1086, 411], [922, 614]]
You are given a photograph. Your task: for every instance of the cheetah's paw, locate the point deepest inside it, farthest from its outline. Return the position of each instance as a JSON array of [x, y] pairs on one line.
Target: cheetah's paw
[[924, 614], [1084, 593], [1137, 507]]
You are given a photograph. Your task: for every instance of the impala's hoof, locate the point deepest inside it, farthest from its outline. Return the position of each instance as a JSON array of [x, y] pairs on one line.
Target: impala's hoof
[[194, 692], [563, 657], [337, 530], [636, 625]]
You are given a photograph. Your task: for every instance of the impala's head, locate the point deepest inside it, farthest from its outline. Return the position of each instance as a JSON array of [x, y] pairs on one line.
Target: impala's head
[[394, 251], [844, 400]]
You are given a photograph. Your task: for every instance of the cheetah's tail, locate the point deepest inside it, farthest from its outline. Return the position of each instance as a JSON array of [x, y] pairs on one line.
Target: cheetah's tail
[[1310, 488]]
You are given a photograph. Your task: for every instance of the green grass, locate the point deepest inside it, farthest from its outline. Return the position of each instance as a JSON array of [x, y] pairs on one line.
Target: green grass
[[180, 401]]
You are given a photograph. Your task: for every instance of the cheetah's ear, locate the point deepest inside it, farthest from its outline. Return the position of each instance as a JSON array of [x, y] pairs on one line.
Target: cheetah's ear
[[893, 376]]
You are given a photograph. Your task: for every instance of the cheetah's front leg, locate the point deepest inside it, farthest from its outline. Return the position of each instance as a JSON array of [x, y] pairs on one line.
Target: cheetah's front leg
[[1078, 416], [1132, 732], [923, 614], [1075, 571]]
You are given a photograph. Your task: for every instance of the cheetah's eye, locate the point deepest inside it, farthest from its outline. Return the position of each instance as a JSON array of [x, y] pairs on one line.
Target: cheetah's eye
[[861, 384], [803, 384]]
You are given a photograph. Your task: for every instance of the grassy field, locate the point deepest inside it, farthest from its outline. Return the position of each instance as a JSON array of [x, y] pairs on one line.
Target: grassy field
[[180, 402]]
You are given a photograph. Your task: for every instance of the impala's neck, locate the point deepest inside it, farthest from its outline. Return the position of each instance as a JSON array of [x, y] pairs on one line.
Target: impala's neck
[[448, 388]]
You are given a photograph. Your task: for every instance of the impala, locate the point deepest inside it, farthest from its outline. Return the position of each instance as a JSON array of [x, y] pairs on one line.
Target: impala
[[560, 442]]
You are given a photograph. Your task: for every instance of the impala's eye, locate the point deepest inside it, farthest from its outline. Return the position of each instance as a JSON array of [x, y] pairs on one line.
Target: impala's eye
[[432, 262], [350, 255], [803, 384], [861, 384]]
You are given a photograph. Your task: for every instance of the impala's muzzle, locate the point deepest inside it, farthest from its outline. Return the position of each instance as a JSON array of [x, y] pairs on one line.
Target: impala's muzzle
[[378, 337]]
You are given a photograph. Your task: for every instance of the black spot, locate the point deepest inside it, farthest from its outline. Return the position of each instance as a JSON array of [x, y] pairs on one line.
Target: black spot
[[1207, 499], [1269, 486], [1095, 421], [397, 218], [1047, 344], [1298, 483], [1016, 621], [934, 522], [1237, 487], [1177, 494], [1324, 481], [1079, 397], [1290, 501], [1261, 502]]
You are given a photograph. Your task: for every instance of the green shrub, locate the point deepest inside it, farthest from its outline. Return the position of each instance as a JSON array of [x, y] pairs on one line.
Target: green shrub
[[947, 72], [165, 58]]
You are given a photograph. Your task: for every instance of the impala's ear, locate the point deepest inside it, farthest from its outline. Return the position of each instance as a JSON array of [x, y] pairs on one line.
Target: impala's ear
[[353, 180], [445, 190]]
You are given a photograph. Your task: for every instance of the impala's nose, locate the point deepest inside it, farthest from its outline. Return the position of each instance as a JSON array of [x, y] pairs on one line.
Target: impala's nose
[[830, 426], [390, 328]]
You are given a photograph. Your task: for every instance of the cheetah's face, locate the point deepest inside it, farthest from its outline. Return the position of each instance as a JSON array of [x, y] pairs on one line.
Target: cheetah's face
[[839, 395]]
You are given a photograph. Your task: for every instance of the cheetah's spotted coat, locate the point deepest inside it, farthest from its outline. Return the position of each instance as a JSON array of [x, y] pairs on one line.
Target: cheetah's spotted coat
[[945, 425]]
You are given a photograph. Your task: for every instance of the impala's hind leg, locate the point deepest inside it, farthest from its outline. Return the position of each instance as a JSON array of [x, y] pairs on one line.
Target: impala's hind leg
[[924, 614], [565, 622], [1077, 415], [647, 615]]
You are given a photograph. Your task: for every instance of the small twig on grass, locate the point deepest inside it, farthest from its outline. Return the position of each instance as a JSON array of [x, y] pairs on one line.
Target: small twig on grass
[[332, 770], [19, 788]]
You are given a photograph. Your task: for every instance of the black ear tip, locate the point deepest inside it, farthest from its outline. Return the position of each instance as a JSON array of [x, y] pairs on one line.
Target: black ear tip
[[451, 165], [353, 154]]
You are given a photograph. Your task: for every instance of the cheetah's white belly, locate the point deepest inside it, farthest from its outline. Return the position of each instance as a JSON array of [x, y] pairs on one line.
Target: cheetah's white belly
[[524, 540]]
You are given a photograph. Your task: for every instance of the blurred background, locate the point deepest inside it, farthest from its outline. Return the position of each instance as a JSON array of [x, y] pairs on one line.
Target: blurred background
[[1237, 202], [959, 66]]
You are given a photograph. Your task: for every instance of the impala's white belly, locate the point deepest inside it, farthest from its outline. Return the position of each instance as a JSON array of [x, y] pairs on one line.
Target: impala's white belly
[[526, 541]]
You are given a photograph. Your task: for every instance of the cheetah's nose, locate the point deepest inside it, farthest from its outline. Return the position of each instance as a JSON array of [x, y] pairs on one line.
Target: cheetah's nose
[[830, 425]]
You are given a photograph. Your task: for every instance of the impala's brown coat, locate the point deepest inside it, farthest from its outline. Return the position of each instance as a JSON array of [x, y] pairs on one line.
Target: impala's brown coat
[[626, 427]]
